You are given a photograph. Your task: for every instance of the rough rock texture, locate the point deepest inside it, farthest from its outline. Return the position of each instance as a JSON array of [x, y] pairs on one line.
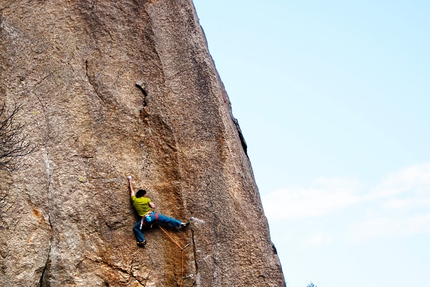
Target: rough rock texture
[[66, 216]]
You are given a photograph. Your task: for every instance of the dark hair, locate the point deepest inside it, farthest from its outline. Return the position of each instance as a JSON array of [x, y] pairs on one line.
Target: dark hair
[[140, 193]]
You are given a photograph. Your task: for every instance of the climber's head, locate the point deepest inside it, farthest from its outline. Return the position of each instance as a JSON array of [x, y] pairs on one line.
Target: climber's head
[[140, 193]]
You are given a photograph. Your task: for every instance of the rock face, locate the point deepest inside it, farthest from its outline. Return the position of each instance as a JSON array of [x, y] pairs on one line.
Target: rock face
[[117, 88]]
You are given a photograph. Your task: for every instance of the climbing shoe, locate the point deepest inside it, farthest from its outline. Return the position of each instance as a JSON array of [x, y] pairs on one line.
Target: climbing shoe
[[141, 244], [184, 225]]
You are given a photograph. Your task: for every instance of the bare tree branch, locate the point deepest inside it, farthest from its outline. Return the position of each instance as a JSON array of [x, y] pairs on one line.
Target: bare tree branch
[[13, 142]]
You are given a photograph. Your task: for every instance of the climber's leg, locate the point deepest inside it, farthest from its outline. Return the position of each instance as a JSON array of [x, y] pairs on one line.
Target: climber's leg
[[168, 220], [138, 233]]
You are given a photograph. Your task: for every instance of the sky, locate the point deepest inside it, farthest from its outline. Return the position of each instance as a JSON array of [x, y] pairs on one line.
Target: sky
[[333, 99]]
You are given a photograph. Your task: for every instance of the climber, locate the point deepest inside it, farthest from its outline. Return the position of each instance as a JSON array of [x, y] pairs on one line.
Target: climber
[[144, 206]]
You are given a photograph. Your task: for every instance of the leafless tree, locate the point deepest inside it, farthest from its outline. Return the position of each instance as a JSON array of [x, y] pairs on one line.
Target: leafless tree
[[13, 141]]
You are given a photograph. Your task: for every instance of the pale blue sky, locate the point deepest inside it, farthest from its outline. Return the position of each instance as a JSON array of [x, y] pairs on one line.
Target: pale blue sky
[[333, 98]]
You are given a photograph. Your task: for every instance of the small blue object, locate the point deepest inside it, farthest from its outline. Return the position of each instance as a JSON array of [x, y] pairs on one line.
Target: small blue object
[[148, 218]]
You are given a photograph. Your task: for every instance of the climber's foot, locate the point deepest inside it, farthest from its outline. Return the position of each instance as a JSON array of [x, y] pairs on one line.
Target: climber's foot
[[184, 225], [141, 244]]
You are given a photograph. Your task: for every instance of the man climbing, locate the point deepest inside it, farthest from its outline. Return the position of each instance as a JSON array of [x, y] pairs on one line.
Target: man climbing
[[144, 206]]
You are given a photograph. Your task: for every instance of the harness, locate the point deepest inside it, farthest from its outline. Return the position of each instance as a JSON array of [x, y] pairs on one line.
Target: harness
[[147, 220]]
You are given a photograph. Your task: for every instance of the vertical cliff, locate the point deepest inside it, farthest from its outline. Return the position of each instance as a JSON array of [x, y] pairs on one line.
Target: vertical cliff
[[116, 88]]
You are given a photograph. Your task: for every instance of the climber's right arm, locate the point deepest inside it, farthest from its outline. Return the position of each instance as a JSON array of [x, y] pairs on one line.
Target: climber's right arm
[[130, 186]]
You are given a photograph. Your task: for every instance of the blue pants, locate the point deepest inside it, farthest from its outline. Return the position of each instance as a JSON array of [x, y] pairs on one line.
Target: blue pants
[[155, 219]]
